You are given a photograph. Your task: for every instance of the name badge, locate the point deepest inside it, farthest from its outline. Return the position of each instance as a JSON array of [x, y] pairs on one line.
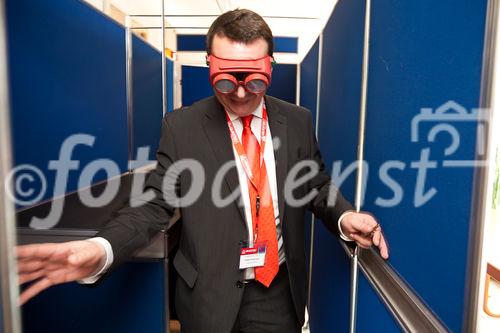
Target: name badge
[[254, 256]]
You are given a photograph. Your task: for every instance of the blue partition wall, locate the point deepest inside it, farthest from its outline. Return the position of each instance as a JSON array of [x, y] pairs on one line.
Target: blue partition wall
[[338, 139], [423, 54], [147, 96], [67, 70], [67, 76], [195, 84], [197, 43], [372, 315], [129, 300], [308, 80], [170, 85], [308, 88], [283, 84]]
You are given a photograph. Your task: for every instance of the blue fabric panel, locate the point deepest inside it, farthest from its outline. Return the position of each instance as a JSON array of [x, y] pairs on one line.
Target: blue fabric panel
[[338, 139], [197, 43], [308, 80], [195, 84], [372, 315], [329, 311], [190, 42], [424, 54], [405, 76], [129, 300], [309, 75], [67, 76], [170, 85], [284, 82], [286, 44], [147, 97]]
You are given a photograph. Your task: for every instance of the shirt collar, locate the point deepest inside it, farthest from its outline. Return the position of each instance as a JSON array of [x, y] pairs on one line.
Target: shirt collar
[[257, 112]]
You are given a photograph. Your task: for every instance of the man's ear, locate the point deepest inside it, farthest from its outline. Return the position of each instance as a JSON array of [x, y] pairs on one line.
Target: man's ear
[[206, 59]]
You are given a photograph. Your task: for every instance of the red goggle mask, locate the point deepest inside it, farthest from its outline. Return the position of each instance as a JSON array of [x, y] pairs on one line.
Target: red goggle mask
[[227, 74]]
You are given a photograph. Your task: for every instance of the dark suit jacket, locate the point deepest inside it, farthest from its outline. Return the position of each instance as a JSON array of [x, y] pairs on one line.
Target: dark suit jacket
[[207, 295]]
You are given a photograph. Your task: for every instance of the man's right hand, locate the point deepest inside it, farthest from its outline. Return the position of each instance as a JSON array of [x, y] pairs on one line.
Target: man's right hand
[[55, 263]]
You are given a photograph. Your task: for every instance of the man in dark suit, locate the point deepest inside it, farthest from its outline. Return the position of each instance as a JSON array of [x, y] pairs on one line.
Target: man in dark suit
[[241, 263]]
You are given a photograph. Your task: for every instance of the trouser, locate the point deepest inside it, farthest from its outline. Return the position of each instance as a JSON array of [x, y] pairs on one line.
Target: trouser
[[268, 309]]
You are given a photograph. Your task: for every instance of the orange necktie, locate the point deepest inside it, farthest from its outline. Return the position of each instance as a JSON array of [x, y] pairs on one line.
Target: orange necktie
[[262, 211]]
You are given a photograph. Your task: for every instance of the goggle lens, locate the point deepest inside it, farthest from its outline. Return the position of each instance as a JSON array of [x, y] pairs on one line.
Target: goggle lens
[[256, 86], [225, 86]]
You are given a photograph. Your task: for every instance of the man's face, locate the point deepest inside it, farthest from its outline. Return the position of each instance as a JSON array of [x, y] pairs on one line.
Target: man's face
[[240, 102]]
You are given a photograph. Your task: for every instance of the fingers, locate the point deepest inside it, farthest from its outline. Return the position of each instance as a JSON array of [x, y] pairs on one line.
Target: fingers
[[51, 264], [367, 232], [369, 225], [29, 271], [28, 277], [50, 278], [384, 249], [376, 236], [34, 290], [378, 240], [39, 251], [362, 223], [54, 256], [364, 242], [28, 266]]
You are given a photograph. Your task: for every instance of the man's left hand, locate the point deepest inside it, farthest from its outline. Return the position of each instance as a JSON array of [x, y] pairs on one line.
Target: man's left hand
[[365, 231]]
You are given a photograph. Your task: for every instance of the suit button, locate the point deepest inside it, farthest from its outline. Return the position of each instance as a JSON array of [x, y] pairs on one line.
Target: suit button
[[239, 284]]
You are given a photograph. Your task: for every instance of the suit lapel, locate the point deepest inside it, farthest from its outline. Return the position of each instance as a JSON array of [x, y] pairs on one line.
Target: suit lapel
[[277, 124], [215, 125]]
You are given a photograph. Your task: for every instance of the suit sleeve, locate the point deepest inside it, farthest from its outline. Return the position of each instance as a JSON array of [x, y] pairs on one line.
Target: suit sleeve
[[133, 227], [328, 204]]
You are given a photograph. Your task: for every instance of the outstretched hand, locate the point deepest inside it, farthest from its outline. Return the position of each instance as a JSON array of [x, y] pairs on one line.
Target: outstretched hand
[[55, 263], [365, 231]]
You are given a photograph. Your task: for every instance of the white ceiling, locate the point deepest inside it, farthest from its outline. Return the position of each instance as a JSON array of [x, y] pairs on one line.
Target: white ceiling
[[293, 18]]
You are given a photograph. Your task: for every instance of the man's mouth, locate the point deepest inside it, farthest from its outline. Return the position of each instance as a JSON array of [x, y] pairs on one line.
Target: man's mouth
[[239, 102]]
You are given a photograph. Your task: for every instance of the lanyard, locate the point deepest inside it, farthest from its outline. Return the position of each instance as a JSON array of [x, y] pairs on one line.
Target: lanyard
[[255, 182], [254, 179]]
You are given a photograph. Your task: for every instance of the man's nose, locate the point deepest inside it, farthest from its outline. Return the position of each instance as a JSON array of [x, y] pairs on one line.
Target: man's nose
[[240, 92]]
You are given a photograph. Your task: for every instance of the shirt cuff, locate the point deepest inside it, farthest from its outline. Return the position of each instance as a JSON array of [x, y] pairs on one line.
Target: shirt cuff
[[342, 235], [105, 262]]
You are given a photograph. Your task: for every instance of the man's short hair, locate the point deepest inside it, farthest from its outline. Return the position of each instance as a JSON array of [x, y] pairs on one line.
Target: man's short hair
[[240, 25]]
